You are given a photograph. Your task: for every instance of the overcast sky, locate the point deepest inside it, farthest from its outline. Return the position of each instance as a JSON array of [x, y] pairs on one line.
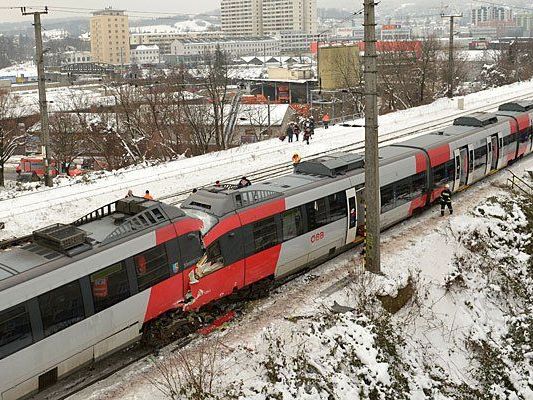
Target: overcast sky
[[174, 6]]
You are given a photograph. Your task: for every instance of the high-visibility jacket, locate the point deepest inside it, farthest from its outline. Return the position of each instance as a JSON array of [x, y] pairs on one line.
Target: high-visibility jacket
[[325, 118], [100, 288], [148, 196], [296, 159], [446, 196]]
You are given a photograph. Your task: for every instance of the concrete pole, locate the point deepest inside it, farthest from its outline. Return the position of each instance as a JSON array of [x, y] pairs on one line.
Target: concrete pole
[[372, 192], [451, 67], [43, 104]]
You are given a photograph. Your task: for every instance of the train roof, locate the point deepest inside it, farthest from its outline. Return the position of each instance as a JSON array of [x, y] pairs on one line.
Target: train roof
[[221, 200], [55, 245], [517, 106]]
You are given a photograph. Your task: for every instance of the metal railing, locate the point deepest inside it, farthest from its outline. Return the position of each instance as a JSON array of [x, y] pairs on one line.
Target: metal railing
[[516, 182]]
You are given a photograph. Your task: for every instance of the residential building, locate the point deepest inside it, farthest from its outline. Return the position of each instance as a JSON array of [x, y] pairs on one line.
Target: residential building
[[289, 15], [242, 17], [490, 13], [191, 49], [295, 72], [525, 21], [110, 40], [143, 54], [268, 17], [163, 40]]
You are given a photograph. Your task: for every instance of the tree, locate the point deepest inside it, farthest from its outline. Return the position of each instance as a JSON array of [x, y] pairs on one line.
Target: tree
[[66, 139], [11, 136]]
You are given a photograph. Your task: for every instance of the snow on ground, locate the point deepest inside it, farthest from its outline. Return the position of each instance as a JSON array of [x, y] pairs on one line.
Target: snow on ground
[[465, 334], [27, 69], [24, 211]]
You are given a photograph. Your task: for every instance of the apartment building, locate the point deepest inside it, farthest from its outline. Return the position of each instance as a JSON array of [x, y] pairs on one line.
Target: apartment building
[[242, 17], [110, 40], [145, 54], [268, 17], [483, 14]]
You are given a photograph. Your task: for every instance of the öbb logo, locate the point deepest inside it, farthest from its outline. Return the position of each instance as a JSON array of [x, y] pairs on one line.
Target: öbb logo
[[317, 236]]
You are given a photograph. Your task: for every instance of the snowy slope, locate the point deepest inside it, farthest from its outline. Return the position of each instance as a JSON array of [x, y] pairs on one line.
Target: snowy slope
[[464, 334], [22, 212]]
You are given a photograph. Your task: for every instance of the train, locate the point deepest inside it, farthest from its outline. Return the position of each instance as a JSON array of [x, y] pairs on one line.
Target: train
[[78, 292]]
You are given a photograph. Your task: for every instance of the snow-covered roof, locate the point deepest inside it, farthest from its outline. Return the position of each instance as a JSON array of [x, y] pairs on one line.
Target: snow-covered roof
[[257, 114], [28, 69], [142, 47]]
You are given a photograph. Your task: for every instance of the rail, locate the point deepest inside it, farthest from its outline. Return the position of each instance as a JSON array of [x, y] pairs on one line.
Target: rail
[[516, 182]]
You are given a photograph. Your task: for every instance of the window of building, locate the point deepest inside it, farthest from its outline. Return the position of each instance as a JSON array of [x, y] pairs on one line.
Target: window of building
[[265, 234], [337, 206], [61, 308], [151, 267], [15, 330], [109, 286], [292, 223]]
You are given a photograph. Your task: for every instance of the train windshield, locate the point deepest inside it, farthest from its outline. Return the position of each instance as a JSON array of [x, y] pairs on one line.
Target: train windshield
[[208, 220]]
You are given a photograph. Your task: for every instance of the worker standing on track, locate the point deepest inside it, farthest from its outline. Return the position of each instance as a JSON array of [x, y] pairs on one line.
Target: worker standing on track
[[325, 120], [130, 193], [446, 200], [147, 195]]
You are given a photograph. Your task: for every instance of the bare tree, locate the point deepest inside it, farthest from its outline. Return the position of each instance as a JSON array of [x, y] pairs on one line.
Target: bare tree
[[66, 139], [11, 136], [189, 374]]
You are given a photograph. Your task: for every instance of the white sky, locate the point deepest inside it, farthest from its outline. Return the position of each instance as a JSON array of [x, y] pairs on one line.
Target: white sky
[[174, 6]]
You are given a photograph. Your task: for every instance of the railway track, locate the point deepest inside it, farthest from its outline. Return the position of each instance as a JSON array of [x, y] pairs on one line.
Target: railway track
[[199, 166]]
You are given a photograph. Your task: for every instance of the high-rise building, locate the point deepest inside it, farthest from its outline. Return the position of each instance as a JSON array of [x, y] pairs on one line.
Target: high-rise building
[[110, 40], [242, 17], [482, 14], [289, 15], [268, 17]]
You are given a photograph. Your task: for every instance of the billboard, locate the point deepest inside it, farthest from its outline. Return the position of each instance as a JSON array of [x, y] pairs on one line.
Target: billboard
[[338, 67]]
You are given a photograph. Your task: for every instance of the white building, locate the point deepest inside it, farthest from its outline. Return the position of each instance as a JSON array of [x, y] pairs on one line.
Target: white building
[[483, 14], [242, 17], [268, 17], [77, 57], [190, 49], [164, 39], [298, 42], [143, 54]]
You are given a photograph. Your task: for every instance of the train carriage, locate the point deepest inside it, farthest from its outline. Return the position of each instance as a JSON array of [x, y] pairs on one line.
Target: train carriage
[[77, 292], [521, 115]]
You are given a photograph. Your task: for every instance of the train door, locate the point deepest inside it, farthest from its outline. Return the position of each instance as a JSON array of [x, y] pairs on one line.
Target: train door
[[352, 216], [495, 152], [461, 168]]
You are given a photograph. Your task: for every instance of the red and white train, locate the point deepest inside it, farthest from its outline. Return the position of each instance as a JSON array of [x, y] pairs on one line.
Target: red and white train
[[78, 292]]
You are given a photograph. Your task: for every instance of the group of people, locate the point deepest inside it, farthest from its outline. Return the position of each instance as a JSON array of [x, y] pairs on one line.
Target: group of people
[[305, 125], [147, 195]]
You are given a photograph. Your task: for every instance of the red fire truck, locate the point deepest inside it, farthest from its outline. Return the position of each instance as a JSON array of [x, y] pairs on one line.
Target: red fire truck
[[32, 169]]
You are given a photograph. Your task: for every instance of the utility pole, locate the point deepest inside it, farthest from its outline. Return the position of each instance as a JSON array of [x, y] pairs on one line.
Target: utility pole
[[372, 198], [451, 68], [43, 104]]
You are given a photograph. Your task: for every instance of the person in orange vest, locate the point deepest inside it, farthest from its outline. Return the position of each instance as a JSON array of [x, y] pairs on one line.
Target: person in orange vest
[[147, 195], [296, 160], [325, 120]]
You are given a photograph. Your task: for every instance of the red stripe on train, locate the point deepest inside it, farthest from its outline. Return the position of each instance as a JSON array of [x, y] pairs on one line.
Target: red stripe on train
[[419, 202], [439, 155], [261, 265], [164, 296], [421, 162]]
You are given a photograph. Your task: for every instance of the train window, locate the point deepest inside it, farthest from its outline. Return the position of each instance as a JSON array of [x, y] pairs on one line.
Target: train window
[[509, 139], [292, 223], [190, 248], [480, 157], [317, 214], [403, 191], [61, 308], [109, 286], [387, 198], [443, 173], [265, 234], [214, 255], [15, 330], [337, 206], [151, 267], [419, 184]]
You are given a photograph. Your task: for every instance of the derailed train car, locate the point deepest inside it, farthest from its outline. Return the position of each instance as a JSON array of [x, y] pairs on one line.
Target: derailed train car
[[78, 292]]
